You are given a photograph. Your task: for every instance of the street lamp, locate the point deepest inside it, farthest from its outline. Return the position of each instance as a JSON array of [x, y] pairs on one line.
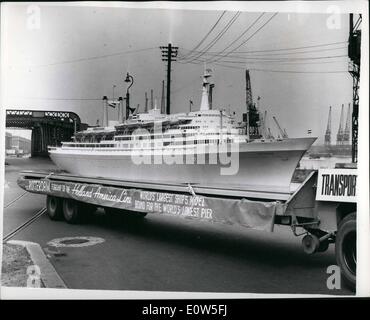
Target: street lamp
[[129, 79]]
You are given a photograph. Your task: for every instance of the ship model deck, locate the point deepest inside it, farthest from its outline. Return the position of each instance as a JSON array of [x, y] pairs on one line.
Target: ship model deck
[[205, 147]]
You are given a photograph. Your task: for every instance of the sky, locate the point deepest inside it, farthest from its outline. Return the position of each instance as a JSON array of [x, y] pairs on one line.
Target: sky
[[72, 56]]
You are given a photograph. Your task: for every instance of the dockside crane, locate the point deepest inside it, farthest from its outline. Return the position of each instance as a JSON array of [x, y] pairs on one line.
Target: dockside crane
[[340, 129], [354, 53], [328, 130], [251, 117], [282, 132], [346, 133], [270, 134], [263, 125]]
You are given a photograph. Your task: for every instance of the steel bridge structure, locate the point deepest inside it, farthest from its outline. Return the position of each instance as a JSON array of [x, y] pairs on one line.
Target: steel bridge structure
[[49, 128], [354, 53]]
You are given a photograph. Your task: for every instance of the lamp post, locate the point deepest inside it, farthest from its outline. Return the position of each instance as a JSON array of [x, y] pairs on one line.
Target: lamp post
[[129, 79]]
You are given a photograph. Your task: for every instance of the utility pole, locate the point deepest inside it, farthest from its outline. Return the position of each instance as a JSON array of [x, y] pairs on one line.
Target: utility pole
[[169, 54]]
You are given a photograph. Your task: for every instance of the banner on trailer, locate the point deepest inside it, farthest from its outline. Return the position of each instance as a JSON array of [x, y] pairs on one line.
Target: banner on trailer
[[253, 214], [336, 185]]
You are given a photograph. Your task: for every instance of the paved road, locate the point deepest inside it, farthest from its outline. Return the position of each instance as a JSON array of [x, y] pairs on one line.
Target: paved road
[[165, 253]]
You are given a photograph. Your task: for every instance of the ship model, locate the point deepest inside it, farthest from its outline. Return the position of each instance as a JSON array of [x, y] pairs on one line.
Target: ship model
[[205, 147]]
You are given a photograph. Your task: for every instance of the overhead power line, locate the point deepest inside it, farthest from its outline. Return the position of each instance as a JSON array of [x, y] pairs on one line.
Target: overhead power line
[[283, 71], [287, 49], [250, 37], [218, 37], [299, 63], [283, 59], [270, 60], [277, 71], [296, 71], [92, 58], [244, 32], [250, 54], [283, 63], [61, 99], [205, 37], [295, 48], [291, 53]]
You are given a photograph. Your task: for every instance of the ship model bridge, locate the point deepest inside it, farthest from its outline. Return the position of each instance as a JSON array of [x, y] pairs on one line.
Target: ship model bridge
[[48, 127]]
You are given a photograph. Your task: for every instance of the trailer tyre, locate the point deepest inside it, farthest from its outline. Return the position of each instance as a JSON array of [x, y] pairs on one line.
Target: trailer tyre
[[345, 250], [72, 211], [54, 207], [310, 243]]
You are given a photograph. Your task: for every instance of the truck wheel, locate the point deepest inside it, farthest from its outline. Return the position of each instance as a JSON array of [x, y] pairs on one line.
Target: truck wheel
[[54, 207], [72, 211], [345, 250]]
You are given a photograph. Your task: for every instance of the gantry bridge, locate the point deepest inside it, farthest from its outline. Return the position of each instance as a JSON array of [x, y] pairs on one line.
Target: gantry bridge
[[48, 127]]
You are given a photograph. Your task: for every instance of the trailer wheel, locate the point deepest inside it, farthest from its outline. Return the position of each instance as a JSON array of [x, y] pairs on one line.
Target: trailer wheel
[[345, 250], [54, 207], [72, 211]]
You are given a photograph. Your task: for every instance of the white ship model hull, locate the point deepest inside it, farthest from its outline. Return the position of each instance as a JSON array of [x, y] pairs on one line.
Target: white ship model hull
[[261, 166], [204, 147]]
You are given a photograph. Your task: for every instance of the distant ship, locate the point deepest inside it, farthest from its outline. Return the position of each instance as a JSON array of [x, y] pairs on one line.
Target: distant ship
[[205, 147]]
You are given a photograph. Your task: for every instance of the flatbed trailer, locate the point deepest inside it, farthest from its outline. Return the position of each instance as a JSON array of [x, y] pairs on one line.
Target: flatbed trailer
[[319, 222]]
